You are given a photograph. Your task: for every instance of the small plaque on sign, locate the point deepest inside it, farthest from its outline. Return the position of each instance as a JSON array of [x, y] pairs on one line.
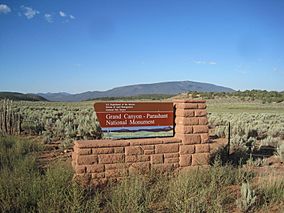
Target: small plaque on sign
[[135, 119]]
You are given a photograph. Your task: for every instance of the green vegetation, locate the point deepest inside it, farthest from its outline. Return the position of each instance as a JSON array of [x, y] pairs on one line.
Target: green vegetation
[[20, 96], [25, 188], [248, 95], [52, 121]]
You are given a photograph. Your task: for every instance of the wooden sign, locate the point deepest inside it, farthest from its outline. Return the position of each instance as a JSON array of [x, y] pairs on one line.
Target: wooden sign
[[135, 119]]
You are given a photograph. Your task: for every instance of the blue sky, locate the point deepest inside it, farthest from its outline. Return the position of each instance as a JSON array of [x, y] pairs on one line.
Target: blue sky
[[77, 46]]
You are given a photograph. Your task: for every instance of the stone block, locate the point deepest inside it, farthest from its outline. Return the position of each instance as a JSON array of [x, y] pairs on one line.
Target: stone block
[[201, 106], [200, 129], [184, 113], [87, 159], [111, 158], [185, 160], [184, 129], [202, 148], [189, 138], [167, 148], [203, 120], [186, 106], [172, 160], [186, 121], [200, 113], [133, 150], [87, 151], [119, 150], [103, 150], [148, 147], [171, 155], [115, 166], [204, 137], [80, 169], [149, 152], [137, 158], [187, 149], [156, 159], [95, 168]]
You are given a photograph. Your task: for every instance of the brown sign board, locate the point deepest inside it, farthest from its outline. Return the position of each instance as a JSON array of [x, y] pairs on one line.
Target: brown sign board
[[135, 119]]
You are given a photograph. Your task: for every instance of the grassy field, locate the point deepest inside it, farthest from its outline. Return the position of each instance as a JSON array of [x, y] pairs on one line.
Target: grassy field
[[250, 185], [25, 188]]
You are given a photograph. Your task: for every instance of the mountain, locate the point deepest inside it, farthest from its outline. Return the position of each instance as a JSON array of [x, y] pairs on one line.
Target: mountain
[[16, 96], [167, 88]]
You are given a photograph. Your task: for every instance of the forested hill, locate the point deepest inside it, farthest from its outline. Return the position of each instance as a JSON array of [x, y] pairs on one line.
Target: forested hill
[[20, 96], [164, 88]]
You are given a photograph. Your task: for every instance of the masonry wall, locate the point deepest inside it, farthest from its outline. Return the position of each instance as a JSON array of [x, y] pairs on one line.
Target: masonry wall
[[100, 160]]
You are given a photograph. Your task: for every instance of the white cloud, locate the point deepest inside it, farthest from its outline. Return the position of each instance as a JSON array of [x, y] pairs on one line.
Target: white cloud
[[71, 16], [62, 14], [4, 9], [48, 18], [205, 62], [29, 12]]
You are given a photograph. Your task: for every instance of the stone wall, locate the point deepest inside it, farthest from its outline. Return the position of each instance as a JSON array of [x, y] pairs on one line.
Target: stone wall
[[100, 160]]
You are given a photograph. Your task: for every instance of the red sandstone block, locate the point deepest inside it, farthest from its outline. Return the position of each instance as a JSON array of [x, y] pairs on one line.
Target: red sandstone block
[[189, 138], [200, 113], [98, 175], [140, 168], [201, 106], [119, 150], [171, 155], [116, 173], [87, 159], [137, 158], [200, 129], [101, 143], [149, 152], [167, 148], [202, 148], [204, 137], [83, 151], [184, 129], [148, 147], [95, 168], [184, 113], [203, 120], [115, 166], [187, 149], [133, 150], [185, 160], [186, 106], [172, 160], [171, 140], [186, 121], [80, 169], [103, 150], [156, 159], [200, 159], [152, 141], [111, 158]]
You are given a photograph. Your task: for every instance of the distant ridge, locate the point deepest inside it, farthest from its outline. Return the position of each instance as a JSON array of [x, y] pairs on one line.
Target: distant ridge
[[16, 96], [164, 88]]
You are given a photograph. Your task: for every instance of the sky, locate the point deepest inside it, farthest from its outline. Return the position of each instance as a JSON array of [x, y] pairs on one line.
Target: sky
[[76, 46]]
